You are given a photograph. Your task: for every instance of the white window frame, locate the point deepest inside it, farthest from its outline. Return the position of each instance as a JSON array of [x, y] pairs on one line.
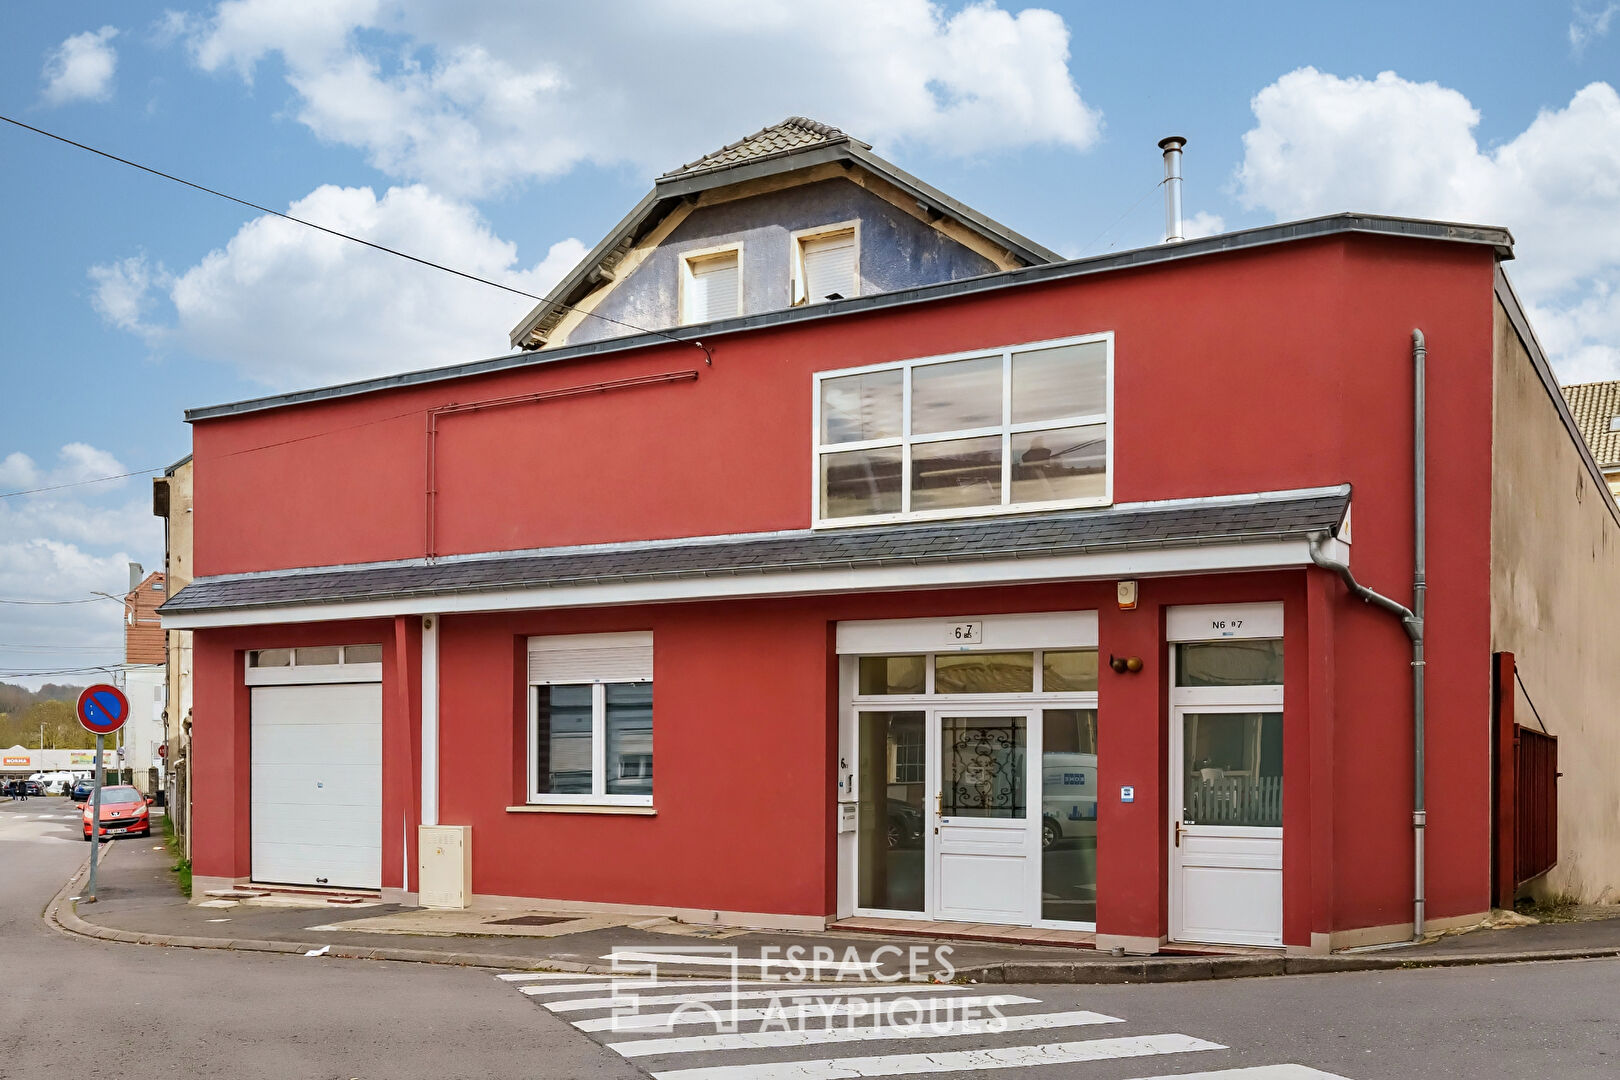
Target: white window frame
[[1007, 429], [797, 296], [294, 673], [598, 795], [698, 255]]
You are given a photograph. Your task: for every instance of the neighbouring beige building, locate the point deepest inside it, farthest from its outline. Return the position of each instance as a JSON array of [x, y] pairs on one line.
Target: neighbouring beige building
[[171, 501], [1555, 601], [1596, 406]]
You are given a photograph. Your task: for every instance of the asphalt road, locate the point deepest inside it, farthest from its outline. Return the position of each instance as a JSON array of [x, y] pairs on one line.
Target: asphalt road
[[91, 1009], [71, 1007]]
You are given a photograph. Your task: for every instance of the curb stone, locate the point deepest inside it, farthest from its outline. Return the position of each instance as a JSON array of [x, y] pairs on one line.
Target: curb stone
[[62, 913], [1172, 970]]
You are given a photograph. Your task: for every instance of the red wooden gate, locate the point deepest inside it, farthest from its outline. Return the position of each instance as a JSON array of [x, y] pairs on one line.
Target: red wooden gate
[[1535, 784], [1524, 841]]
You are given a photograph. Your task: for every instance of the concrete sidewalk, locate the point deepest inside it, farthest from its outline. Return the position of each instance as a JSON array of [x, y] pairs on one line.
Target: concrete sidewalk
[[139, 903]]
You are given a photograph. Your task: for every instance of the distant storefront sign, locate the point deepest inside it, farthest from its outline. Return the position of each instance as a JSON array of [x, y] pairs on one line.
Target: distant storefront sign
[[14, 759], [82, 757]]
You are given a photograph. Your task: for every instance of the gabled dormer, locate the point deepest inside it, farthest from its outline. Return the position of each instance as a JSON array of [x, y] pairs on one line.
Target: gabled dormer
[[798, 213]]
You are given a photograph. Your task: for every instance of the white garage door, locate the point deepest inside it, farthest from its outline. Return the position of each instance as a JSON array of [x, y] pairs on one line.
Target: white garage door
[[317, 785]]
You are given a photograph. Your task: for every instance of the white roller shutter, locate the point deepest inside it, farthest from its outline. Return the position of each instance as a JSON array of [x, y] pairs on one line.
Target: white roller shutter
[[316, 790], [713, 288], [588, 658], [829, 266]]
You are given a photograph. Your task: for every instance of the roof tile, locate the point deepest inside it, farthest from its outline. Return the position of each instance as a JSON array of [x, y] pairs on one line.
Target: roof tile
[[1595, 405]]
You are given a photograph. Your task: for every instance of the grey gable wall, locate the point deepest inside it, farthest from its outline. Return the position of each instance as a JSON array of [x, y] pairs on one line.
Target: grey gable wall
[[897, 252]]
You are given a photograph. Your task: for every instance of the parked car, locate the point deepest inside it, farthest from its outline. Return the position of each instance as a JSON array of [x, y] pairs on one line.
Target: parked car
[[124, 811], [1068, 797], [82, 790], [34, 787], [905, 825]]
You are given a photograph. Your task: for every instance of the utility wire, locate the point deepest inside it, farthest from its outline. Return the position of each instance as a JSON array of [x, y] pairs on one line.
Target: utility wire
[[707, 352], [1087, 249], [78, 483], [59, 603], [347, 236]]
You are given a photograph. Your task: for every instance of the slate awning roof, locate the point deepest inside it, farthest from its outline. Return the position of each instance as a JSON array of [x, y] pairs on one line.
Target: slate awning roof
[[1256, 518]]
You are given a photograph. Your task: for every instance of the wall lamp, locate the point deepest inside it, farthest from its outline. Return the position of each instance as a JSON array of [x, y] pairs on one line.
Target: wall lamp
[[1122, 664]]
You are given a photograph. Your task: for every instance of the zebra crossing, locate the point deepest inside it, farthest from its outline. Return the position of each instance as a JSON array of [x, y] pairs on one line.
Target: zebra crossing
[[720, 1029]]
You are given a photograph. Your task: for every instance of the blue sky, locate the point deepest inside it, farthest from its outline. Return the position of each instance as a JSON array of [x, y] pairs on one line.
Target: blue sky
[[507, 136]]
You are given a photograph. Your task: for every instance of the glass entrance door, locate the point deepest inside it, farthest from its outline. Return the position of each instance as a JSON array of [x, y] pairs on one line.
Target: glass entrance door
[[893, 814], [1227, 792], [1069, 816], [984, 869]]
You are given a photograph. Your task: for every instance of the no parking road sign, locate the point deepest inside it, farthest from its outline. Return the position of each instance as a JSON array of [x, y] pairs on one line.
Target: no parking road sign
[[103, 709]]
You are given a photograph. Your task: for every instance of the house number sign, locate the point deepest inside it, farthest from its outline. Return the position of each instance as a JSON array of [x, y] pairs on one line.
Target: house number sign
[[965, 633]]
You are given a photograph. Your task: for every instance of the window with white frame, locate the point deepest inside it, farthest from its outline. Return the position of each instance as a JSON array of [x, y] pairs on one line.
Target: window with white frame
[[1015, 428], [591, 719], [825, 264], [711, 285]]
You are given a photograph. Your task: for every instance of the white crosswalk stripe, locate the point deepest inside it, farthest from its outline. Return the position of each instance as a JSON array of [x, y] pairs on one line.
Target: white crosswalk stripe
[[1003, 1057], [759, 1040], [940, 1029], [783, 992], [627, 986], [703, 1014], [823, 968]]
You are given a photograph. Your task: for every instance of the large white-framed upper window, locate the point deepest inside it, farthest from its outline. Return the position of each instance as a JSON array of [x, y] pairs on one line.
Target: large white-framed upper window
[[826, 263], [711, 284], [591, 719], [1022, 427]]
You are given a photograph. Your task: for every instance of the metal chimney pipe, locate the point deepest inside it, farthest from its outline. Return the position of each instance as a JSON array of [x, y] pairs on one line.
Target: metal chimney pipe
[[135, 575], [1172, 187]]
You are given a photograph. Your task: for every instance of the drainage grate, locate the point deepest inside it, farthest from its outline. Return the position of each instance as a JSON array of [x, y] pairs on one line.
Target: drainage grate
[[531, 920]]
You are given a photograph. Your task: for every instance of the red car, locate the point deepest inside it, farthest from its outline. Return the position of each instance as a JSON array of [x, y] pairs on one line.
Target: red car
[[124, 812]]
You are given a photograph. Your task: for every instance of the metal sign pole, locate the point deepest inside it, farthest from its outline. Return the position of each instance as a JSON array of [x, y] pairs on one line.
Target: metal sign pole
[[95, 821]]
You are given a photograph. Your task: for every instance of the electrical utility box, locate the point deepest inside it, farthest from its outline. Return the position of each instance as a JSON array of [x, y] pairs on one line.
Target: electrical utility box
[[444, 865]]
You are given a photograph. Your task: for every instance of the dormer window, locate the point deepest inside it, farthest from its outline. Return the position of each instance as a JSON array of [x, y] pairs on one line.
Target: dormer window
[[711, 285], [826, 264], [1614, 423]]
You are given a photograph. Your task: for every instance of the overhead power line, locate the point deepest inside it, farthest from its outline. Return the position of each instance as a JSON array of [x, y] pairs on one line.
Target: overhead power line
[[59, 603], [346, 236], [707, 352]]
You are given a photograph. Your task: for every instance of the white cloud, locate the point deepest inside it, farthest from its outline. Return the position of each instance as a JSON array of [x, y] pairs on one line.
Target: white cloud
[[1587, 24], [1203, 223], [291, 306], [68, 544], [76, 462], [123, 288], [472, 100], [81, 68], [1323, 144]]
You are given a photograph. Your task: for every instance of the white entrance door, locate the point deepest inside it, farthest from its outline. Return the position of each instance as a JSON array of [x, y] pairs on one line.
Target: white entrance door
[[317, 785], [985, 850], [1226, 824]]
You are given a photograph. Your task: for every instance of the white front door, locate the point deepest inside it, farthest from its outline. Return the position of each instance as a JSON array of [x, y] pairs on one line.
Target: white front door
[[316, 791], [1226, 824], [985, 844]]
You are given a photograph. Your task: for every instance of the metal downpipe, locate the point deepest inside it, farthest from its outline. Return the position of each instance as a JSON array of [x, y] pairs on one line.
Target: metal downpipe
[[1411, 620], [1420, 588]]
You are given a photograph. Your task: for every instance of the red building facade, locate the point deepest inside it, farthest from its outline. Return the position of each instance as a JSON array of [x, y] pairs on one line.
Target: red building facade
[[892, 695]]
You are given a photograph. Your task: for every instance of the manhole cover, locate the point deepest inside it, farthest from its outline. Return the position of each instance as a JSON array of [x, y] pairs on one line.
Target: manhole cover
[[531, 920]]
